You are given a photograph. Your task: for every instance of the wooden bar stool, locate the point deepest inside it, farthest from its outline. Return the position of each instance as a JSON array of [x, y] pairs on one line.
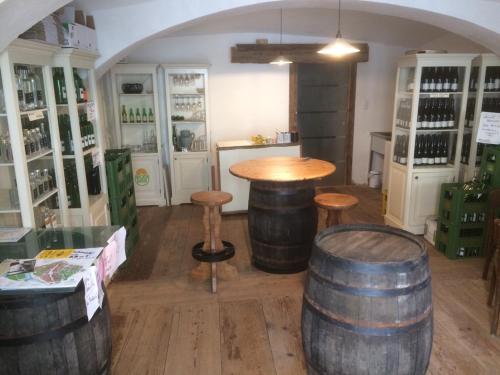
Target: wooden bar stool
[[335, 204], [212, 249], [494, 295]]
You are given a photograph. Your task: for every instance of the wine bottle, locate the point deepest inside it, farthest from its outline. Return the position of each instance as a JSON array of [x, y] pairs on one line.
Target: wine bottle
[[137, 115], [425, 148], [432, 79], [454, 79], [431, 150], [404, 150], [124, 115], [417, 159], [439, 79], [419, 115], [144, 115], [437, 147], [446, 80], [131, 117], [150, 115], [425, 114], [432, 114], [444, 150], [424, 86], [451, 113]]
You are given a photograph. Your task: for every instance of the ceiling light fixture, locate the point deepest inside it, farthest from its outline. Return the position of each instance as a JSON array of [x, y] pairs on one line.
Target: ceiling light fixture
[[281, 59], [339, 47]]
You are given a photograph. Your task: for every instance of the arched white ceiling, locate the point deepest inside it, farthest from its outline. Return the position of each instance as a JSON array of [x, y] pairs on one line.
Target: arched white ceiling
[[123, 24]]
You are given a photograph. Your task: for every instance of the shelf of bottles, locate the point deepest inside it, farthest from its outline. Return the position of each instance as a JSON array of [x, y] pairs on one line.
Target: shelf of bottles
[[37, 148], [436, 126], [137, 112], [86, 126], [188, 111], [484, 97]]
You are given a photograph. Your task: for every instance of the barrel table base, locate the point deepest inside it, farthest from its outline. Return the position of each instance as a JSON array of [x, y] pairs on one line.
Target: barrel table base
[[282, 222], [51, 334]]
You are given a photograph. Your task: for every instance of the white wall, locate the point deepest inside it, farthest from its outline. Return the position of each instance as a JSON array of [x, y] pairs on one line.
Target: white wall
[[247, 99]]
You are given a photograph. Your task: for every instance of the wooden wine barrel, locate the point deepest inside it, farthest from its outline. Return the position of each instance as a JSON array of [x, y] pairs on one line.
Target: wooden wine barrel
[[367, 302], [50, 334], [282, 221]]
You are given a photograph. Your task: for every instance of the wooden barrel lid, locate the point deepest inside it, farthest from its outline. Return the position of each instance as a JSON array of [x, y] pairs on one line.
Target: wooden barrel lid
[[370, 244], [211, 198], [335, 201], [282, 169]]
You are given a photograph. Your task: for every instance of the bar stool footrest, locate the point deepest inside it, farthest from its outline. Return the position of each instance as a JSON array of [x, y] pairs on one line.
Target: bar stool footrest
[[210, 257]]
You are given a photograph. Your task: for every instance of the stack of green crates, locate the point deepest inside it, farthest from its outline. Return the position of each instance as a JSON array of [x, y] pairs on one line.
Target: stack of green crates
[[462, 220], [121, 194]]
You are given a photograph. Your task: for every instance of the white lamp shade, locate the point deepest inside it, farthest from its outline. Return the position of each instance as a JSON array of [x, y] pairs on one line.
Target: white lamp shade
[[340, 47], [280, 60]]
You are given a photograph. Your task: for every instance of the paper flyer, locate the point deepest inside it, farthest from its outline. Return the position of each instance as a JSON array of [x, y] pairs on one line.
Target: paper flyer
[[54, 253], [91, 291]]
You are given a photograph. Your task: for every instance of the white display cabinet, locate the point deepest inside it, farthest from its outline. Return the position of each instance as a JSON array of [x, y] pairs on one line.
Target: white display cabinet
[[483, 96], [32, 189], [428, 125], [188, 130], [81, 137], [137, 124]]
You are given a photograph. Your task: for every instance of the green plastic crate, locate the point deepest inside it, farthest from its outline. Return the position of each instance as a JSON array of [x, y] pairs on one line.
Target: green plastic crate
[[490, 166], [119, 210], [118, 171], [461, 226]]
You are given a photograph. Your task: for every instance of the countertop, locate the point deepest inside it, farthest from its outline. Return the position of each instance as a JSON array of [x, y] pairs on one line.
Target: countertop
[[228, 145]]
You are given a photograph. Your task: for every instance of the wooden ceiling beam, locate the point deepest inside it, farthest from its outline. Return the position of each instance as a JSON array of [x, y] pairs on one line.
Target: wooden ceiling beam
[[298, 53]]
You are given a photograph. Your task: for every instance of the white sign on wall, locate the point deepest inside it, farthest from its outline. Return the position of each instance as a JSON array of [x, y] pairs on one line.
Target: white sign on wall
[[489, 128]]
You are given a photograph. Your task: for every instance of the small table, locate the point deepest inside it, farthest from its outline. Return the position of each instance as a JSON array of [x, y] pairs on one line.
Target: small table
[[282, 217]]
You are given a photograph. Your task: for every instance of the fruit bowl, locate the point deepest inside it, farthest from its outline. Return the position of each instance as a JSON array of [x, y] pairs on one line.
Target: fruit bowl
[[132, 88]]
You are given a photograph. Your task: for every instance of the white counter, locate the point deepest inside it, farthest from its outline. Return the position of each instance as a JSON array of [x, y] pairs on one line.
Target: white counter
[[232, 152]]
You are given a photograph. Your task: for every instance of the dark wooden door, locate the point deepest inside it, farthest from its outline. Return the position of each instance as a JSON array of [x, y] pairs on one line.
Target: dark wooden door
[[322, 107]]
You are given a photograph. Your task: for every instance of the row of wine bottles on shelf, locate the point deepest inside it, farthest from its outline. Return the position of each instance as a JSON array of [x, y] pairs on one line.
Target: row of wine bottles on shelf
[[466, 145], [433, 113], [41, 182], [430, 149], [491, 105], [86, 133], [439, 79], [436, 113], [491, 79], [138, 117], [29, 87], [82, 94]]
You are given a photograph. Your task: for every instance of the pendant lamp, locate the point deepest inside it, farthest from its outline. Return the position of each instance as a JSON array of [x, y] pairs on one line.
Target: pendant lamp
[[281, 59], [339, 47]]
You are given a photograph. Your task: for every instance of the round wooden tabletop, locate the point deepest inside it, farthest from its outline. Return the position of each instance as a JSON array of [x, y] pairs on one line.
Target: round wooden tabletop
[[282, 169], [334, 201], [211, 198]]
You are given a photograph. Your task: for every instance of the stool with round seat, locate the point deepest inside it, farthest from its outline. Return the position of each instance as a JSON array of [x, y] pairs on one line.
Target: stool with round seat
[[335, 204], [212, 249]]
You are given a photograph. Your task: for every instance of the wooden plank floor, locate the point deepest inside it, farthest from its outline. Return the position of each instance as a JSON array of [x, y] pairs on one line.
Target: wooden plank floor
[[166, 323]]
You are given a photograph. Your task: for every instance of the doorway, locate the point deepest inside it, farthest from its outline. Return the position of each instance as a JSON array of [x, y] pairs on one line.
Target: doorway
[[322, 111]]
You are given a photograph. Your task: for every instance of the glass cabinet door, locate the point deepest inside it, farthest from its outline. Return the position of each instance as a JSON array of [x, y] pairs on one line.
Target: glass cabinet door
[[37, 144], [137, 112], [86, 140], [403, 114], [470, 118], [10, 212], [440, 98], [188, 111]]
